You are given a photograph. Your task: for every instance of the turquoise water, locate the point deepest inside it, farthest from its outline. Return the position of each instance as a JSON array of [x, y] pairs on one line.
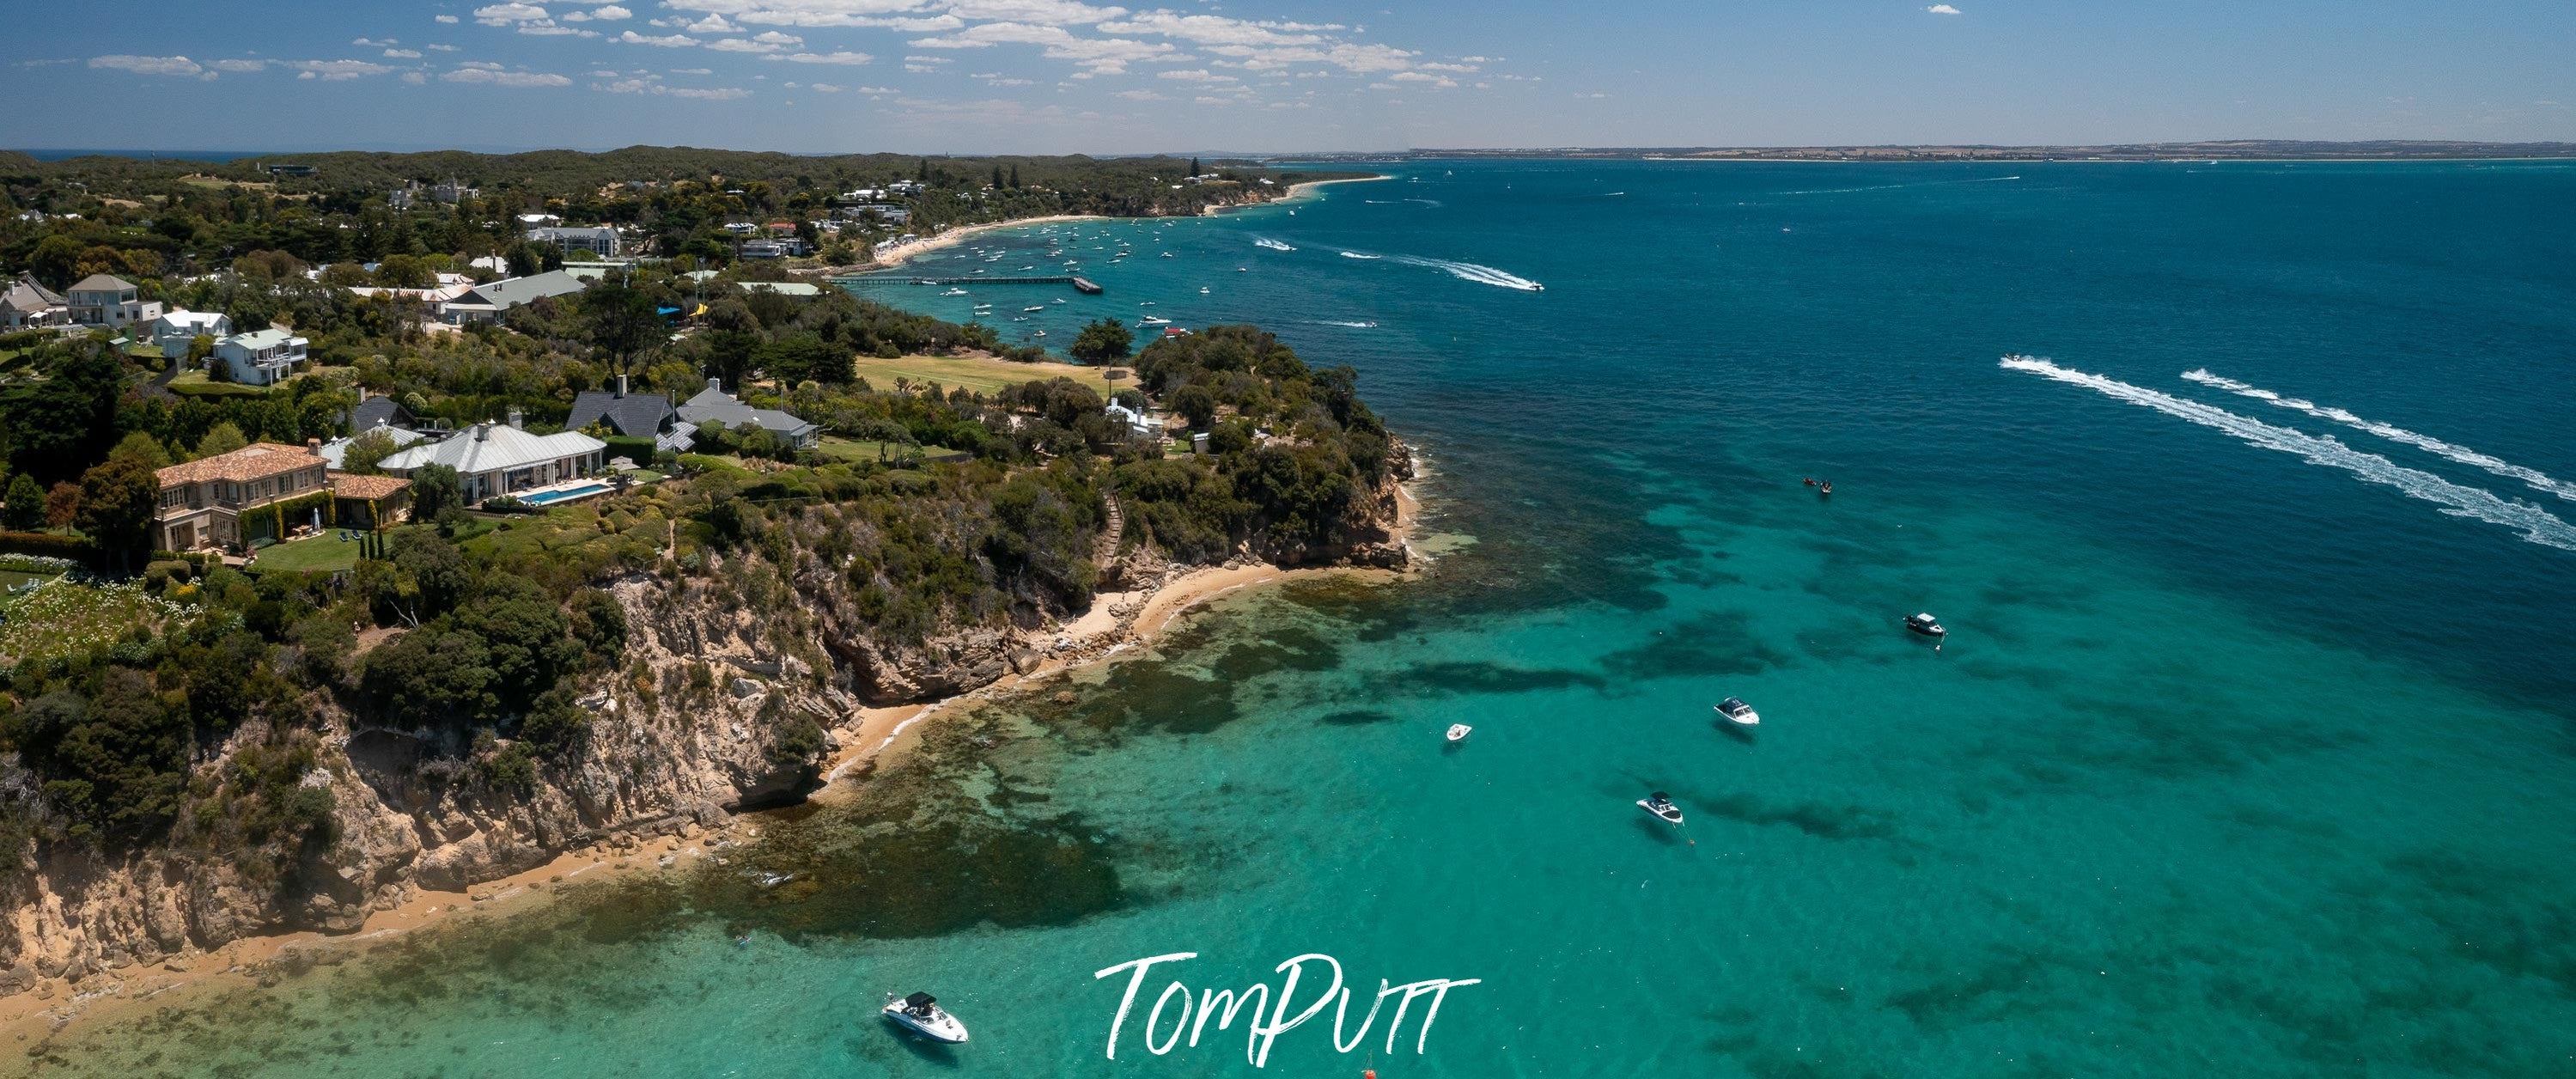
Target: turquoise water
[[2238, 761]]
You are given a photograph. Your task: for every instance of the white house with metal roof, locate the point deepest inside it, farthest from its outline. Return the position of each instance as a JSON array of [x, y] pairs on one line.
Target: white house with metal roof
[[497, 459], [485, 302], [261, 357]]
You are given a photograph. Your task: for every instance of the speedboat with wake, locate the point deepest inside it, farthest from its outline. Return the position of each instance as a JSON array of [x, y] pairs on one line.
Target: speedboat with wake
[[921, 1014], [1661, 805], [1926, 625], [1150, 320], [1739, 713], [1458, 732]]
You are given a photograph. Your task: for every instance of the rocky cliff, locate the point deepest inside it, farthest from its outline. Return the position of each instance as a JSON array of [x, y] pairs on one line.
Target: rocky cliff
[[718, 706]]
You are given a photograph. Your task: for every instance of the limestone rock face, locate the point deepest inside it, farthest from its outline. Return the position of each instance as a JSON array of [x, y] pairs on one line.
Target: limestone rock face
[[693, 727]]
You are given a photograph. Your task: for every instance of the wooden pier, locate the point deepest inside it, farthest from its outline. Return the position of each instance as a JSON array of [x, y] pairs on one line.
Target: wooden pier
[[1080, 284]]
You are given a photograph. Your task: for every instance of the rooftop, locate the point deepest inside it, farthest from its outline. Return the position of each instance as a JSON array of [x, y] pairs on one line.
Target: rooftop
[[352, 485], [257, 461], [491, 447], [99, 282]]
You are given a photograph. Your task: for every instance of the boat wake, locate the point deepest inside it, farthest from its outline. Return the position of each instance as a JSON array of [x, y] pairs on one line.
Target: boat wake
[[1468, 271], [2533, 478], [2535, 524], [1264, 241], [1352, 325], [1357, 255], [1898, 187]]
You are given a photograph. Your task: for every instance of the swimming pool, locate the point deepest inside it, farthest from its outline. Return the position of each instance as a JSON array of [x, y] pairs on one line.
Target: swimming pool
[[548, 498]]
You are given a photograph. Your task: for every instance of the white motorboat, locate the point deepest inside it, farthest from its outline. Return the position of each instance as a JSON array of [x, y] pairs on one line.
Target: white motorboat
[[1150, 320], [1739, 713], [1058, 299], [1925, 625], [1203, 290], [921, 1014], [954, 292], [1661, 805], [1458, 732], [1167, 254], [1033, 308]]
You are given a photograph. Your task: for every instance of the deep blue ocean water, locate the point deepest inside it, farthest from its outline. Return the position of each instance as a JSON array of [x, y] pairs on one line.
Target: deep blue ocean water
[[2250, 753]]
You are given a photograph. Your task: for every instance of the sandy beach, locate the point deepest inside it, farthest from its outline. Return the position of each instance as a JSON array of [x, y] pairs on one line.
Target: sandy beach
[[1118, 624]]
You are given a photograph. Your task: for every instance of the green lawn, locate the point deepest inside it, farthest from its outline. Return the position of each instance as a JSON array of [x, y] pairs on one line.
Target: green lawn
[[321, 553], [982, 374], [852, 449], [196, 384]]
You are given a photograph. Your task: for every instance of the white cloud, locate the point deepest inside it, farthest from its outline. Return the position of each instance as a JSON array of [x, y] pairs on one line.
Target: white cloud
[[603, 73], [509, 13], [440, 48], [735, 44], [647, 85], [1139, 95], [414, 78], [1044, 12], [611, 13], [1942, 9], [1440, 81], [376, 44], [1447, 67], [671, 41], [448, 19], [842, 57], [824, 88], [150, 65], [238, 67], [677, 71], [910, 16], [335, 70], [928, 60], [489, 77], [1105, 56], [1196, 75], [403, 54]]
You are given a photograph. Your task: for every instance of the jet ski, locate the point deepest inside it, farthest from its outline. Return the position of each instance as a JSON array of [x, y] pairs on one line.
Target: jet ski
[[1661, 805], [921, 1014]]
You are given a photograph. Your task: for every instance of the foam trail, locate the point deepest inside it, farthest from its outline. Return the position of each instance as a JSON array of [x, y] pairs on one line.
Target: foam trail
[[1264, 241], [1468, 271], [1900, 187], [2536, 524], [1357, 255], [2533, 478]]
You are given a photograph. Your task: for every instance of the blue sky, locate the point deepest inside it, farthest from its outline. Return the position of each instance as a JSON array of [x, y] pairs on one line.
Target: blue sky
[[1052, 76]]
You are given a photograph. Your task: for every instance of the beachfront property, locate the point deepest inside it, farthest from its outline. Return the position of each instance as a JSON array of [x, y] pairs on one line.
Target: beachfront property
[[598, 241], [232, 500], [102, 300], [261, 357], [630, 415], [789, 247], [892, 215], [714, 405], [486, 302], [174, 331], [494, 459], [26, 305]]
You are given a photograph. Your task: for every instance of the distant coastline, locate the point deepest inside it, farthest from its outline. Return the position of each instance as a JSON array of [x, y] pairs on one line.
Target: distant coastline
[[2224, 150]]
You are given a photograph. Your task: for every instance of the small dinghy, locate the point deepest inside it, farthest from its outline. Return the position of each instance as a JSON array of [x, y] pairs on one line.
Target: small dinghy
[[1925, 625], [1458, 732], [921, 1014], [1739, 713], [1661, 805]]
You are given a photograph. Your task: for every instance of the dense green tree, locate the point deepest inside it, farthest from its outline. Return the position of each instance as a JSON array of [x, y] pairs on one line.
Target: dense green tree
[[117, 499], [434, 489], [366, 451], [1103, 341], [222, 438], [25, 511], [622, 322]]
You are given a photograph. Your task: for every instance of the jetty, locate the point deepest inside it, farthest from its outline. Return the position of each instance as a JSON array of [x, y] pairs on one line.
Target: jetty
[[1080, 284]]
